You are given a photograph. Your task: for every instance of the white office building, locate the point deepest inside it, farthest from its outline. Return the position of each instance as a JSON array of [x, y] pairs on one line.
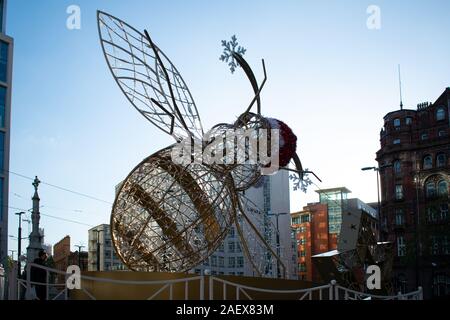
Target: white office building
[[100, 237], [271, 198]]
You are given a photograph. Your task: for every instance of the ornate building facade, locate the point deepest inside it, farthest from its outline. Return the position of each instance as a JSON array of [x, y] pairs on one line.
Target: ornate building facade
[[414, 170]]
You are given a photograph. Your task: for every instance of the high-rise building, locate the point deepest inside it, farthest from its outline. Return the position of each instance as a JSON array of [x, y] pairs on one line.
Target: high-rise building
[[415, 178], [318, 225], [101, 249], [270, 200], [6, 60]]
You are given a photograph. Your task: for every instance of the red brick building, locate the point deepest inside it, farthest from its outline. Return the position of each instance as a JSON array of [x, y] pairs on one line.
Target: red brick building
[[318, 225], [414, 171], [63, 257], [311, 225]]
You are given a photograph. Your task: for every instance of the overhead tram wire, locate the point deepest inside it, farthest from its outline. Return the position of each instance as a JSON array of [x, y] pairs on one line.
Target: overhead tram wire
[[56, 208], [61, 188], [104, 201], [54, 217]]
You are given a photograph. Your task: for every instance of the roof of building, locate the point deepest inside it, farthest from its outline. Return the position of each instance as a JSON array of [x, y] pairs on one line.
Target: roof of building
[[100, 226], [327, 254], [442, 100], [343, 189]]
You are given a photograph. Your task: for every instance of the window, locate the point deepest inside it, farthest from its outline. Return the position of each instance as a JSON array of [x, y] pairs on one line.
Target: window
[[305, 218], [399, 217], [296, 220], [2, 106], [303, 253], [302, 241], [442, 133], [2, 3], [428, 162], [440, 114], [396, 141], [213, 261], [238, 247], [239, 262], [231, 262], [231, 247], [398, 192], [445, 245], [442, 188], [302, 267], [408, 121], [3, 61], [430, 189], [397, 166], [424, 136], [432, 215], [221, 248], [401, 247], [2, 150], [434, 245], [397, 124], [221, 262], [401, 283], [441, 160], [444, 211], [231, 233]]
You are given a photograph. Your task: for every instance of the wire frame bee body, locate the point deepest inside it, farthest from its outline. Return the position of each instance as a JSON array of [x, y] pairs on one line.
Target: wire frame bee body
[[169, 216]]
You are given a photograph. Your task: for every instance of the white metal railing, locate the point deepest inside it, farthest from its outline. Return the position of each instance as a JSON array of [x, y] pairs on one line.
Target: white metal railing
[[2, 283], [166, 285], [302, 294], [331, 291], [342, 293]]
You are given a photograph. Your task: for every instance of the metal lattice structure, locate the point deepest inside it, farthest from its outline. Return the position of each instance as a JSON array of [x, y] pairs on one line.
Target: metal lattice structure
[[357, 248], [169, 216], [164, 219]]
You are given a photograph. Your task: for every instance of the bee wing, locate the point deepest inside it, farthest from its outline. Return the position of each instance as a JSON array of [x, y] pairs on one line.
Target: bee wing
[[258, 238], [148, 78]]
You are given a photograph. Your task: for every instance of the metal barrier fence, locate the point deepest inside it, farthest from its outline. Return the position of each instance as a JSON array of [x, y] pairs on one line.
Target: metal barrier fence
[[217, 288], [240, 291], [2, 284]]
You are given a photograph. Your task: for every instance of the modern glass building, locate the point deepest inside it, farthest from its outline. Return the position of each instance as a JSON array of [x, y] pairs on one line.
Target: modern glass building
[[6, 54], [336, 199]]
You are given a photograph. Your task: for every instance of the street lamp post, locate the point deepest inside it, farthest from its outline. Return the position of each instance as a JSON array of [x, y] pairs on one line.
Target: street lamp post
[[12, 254], [277, 215], [98, 248], [19, 245], [377, 171], [79, 254]]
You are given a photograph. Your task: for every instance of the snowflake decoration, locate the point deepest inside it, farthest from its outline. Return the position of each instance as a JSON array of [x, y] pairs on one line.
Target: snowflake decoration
[[230, 47], [301, 184]]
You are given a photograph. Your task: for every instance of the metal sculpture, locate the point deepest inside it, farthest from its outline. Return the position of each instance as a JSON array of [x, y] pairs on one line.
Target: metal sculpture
[[357, 248], [170, 216]]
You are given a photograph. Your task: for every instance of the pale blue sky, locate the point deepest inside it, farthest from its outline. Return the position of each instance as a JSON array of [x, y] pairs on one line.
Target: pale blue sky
[[329, 77]]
